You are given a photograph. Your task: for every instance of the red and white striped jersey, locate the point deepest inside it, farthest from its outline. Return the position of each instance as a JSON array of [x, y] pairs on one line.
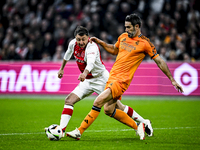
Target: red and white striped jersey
[[86, 58]]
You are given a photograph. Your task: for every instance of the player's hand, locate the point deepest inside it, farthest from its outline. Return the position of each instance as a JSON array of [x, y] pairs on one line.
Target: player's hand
[[60, 73], [177, 86], [94, 39], [81, 77]]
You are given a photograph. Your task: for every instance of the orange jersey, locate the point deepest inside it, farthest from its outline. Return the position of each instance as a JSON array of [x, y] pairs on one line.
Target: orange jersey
[[131, 53]]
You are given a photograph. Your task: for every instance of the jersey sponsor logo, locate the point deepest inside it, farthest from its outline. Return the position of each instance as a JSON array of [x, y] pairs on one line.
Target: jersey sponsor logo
[[79, 60], [127, 47], [83, 54], [79, 54]]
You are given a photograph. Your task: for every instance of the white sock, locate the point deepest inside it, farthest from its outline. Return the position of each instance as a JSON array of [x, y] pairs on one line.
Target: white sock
[[133, 114], [66, 116]]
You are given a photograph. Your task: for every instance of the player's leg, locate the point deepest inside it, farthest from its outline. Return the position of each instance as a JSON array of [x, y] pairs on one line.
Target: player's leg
[[67, 112], [97, 85], [127, 109], [121, 116], [81, 91], [110, 110], [104, 97], [134, 115], [118, 88]]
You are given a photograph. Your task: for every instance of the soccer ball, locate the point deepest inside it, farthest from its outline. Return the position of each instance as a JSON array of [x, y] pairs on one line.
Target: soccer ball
[[54, 132]]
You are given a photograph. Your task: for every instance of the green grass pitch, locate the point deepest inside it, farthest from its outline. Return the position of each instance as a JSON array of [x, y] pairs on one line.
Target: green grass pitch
[[176, 123]]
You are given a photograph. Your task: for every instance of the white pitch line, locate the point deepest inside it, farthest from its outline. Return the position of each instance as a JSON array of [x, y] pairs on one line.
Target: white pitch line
[[21, 133], [102, 130], [132, 129]]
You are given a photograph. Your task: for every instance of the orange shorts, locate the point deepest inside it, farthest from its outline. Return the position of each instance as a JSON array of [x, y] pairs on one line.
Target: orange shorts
[[117, 88]]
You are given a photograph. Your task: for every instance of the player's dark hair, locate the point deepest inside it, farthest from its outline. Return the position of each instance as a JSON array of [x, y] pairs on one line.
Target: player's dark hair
[[134, 19], [80, 30]]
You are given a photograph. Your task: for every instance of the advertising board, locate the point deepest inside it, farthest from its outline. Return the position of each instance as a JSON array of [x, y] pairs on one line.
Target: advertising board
[[41, 78]]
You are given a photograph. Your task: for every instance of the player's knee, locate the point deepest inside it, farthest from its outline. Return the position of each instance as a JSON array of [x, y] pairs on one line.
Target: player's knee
[[108, 112], [98, 103], [67, 101], [119, 105], [71, 99]]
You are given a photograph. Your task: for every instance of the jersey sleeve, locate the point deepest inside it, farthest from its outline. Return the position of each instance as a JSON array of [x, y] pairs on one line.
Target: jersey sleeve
[[91, 54], [151, 50], [70, 50], [121, 38], [117, 43]]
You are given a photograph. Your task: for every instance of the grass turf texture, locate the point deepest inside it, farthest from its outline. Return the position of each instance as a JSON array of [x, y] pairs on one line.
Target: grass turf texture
[[175, 121]]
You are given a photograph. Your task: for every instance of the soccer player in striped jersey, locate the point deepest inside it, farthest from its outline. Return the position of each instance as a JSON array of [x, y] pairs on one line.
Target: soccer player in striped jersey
[[93, 77], [131, 48]]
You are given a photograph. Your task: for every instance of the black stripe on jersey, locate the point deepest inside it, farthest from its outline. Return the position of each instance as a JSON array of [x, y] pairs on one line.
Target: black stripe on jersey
[[147, 39], [96, 108], [151, 44], [153, 55]]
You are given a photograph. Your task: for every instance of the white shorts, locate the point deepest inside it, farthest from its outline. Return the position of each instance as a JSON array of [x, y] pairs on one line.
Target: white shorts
[[89, 86]]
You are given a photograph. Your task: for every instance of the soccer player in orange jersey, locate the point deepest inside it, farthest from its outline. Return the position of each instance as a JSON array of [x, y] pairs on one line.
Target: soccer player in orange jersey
[[130, 49]]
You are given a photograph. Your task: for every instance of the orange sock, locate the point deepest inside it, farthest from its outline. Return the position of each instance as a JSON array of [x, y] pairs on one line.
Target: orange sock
[[124, 118], [89, 119]]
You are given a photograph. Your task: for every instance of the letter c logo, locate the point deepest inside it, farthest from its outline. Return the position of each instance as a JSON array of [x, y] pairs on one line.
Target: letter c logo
[[187, 77]]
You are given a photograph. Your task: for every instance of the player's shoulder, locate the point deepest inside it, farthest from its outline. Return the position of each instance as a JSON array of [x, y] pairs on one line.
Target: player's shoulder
[[92, 45], [123, 35], [145, 40], [72, 42]]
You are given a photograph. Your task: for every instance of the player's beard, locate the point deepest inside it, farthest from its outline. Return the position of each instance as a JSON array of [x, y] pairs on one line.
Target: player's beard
[[131, 35]]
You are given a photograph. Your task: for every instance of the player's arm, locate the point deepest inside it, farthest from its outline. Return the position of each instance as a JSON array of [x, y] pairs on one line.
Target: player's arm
[[111, 48], [91, 53], [61, 70], [83, 75], [67, 56], [163, 66]]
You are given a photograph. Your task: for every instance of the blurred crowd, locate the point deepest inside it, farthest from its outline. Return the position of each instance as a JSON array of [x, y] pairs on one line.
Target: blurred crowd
[[41, 29]]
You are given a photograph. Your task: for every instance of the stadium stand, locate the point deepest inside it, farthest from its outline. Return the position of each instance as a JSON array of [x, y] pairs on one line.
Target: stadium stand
[[41, 29]]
